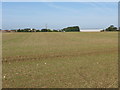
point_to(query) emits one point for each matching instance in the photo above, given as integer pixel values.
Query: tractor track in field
(57, 55)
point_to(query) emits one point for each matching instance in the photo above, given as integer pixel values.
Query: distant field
(60, 60)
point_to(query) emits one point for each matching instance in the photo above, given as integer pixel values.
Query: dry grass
(60, 60)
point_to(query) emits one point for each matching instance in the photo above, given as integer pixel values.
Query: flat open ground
(60, 60)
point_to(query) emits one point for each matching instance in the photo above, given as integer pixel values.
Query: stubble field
(60, 60)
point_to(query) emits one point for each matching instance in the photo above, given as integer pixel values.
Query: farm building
(90, 30)
(5, 30)
(8, 30)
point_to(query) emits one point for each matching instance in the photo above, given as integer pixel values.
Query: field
(60, 60)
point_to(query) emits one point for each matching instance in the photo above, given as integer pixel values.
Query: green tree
(71, 29)
(19, 30)
(46, 30)
(43, 30)
(111, 28)
(37, 30)
(26, 30)
(33, 30)
(49, 30)
(55, 30)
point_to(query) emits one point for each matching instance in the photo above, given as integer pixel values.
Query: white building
(90, 30)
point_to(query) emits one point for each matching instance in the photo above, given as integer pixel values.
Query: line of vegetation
(68, 29)
(111, 28)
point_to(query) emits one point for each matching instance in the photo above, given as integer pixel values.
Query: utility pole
(46, 26)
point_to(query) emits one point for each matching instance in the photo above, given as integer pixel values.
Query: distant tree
(49, 30)
(27, 30)
(111, 28)
(46, 30)
(55, 30)
(19, 30)
(71, 29)
(43, 30)
(37, 30)
(33, 30)
(22, 30)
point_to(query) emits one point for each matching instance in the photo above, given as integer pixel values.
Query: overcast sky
(58, 15)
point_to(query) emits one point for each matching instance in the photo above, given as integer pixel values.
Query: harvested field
(60, 60)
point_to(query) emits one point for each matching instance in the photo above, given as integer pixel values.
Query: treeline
(68, 29)
(111, 28)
